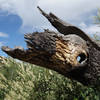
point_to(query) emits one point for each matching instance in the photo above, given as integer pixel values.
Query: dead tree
(70, 52)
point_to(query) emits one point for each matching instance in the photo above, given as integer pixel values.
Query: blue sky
(10, 29)
(21, 16)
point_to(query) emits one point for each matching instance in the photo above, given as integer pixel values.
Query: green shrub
(23, 81)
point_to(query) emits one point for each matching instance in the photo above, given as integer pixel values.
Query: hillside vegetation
(23, 81)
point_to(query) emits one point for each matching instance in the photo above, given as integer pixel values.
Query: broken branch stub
(52, 50)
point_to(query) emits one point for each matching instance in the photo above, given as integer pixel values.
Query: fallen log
(70, 51)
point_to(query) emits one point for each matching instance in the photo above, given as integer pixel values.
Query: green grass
(23, 81)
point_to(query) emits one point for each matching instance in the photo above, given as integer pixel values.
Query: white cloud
(66, 9)
(70, 8)
(91, 29)
(23, 8)
(3, 34)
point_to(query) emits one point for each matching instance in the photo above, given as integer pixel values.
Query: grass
(23, 81)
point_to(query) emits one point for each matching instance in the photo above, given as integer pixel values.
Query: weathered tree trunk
(71, 52)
